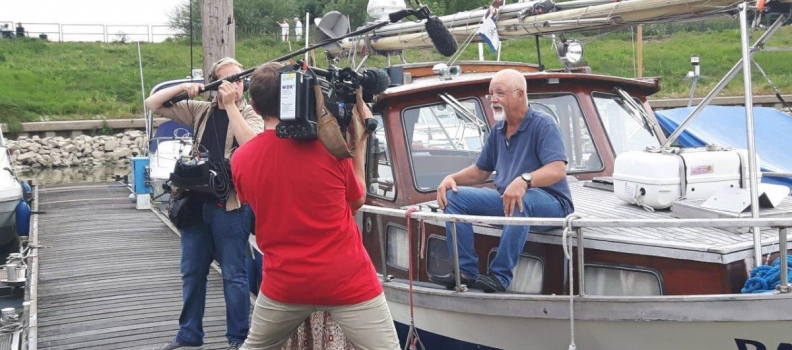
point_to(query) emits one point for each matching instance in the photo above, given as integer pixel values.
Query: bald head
(508, 95)
(510, 78)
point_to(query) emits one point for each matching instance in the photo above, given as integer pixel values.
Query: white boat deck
(701, 244)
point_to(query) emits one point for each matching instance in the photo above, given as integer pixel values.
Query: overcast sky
(87, 11)
(106, 12)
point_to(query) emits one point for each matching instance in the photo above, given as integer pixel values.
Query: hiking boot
(490, 283)
(234, 346)
(175, 344)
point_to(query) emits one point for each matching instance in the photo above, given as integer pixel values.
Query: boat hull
(459, 322)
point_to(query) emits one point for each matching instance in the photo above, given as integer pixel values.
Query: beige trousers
(367, 325)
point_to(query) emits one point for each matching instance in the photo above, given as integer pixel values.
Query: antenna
(143, 93)
(190, 3)
(331, 26)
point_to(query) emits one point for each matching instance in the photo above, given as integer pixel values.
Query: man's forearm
(549, 174)
(241, 130)
(160, 97)
(469, 176)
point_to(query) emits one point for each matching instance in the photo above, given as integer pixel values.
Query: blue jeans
(488, 202)
(224, 235)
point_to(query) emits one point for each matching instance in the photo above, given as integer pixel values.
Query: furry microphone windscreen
(443, 40)
(375, 81)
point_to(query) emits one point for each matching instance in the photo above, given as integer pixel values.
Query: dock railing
(578, 224)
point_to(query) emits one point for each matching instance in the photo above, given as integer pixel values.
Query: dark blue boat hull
(433, 341)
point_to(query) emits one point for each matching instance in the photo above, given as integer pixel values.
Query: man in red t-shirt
(303, 199)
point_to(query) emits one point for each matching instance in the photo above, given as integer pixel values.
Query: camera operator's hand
(193, 89)
(228, 94)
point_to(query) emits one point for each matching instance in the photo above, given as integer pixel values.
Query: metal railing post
(782, 255)
(581, 262)
(457, 273)
(749, 128)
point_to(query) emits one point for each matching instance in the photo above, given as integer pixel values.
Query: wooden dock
(107, 275)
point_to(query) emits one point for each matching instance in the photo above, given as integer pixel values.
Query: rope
(766, 278)
(412, 335)
(568, 253)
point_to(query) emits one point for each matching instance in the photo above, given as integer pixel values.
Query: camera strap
(339, 144)
(197, 139)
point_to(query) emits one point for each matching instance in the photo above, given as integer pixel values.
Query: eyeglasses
(498, 94)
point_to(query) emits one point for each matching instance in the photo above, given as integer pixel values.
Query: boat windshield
(626, 128)
(443, 141)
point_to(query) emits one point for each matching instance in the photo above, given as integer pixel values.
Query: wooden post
(218, 32)
(640, 50)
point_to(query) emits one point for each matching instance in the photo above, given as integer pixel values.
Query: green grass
(65, 81)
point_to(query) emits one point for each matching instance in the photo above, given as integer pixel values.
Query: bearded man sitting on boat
(527, 154)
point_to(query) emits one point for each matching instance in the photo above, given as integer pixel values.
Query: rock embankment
(80, 151)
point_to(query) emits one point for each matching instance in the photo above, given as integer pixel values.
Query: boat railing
(574, 225)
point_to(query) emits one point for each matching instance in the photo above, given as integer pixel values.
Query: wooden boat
(634, 279)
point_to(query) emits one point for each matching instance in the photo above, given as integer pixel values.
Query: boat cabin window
(621, 281)
(626, 129)
(442, 140)
(581, 151)
(379, 169)
(438, 261)
(396, 251)
(527, 275)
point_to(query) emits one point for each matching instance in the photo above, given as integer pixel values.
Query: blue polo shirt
(536, 142)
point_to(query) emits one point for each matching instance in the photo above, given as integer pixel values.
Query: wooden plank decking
(108, 274)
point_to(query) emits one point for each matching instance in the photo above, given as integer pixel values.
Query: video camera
(299, 118)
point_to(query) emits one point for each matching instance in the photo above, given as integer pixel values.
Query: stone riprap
(82, 150)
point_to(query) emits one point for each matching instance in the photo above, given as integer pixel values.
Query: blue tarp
(726, 126)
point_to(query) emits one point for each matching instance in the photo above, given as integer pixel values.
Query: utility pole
(218, 32)
(640, 50)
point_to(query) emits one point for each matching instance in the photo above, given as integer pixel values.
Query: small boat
(170, 142)
(12, 203)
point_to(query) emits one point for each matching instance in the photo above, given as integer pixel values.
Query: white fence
(96, 32)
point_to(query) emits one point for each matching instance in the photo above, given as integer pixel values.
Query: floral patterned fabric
(318, 332)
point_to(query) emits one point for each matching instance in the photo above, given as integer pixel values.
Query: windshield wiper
(440, 124)
(638, 112)
(466, 114)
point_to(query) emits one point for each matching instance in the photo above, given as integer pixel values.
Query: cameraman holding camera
(216, 225)
(303, 198)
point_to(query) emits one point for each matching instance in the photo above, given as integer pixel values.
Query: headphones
(213, 75)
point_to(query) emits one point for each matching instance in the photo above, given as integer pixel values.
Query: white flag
(489, 33)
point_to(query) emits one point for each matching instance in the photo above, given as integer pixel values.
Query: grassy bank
(64, 81)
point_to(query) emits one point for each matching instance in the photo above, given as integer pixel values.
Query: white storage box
(658, 179)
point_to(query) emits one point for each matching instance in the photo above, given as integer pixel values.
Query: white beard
(499, 116)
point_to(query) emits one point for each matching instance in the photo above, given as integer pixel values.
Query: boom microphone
(374, 81)
(442, 39)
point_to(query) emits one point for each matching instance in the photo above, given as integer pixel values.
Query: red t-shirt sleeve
(353, 188)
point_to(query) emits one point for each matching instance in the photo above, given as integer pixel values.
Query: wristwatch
(370, 125)
(527, 178)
